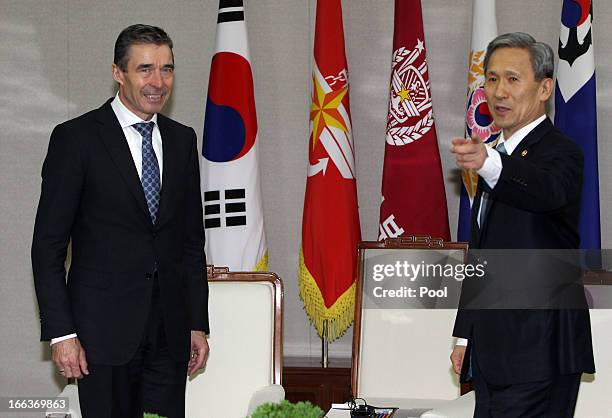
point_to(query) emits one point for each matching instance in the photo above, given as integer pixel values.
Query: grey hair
(541, 54)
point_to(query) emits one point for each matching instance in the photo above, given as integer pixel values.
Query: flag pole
(324, 347)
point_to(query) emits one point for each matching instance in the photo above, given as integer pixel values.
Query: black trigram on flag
(230, 11)
(226, 212)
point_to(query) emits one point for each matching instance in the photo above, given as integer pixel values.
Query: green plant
(286, 409)
(147, 415)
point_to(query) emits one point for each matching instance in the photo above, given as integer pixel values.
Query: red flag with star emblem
(414, 200)
(330, 223)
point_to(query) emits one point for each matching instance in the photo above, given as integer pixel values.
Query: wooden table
(305, 380)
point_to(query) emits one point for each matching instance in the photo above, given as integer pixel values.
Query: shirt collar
(125, 116)
(515, 139)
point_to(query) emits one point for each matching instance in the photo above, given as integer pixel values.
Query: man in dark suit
(523, 362)
(122, 183)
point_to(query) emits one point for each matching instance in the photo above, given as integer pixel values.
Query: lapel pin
(524, 153)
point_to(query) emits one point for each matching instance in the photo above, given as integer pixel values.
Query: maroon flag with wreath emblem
(414, 200)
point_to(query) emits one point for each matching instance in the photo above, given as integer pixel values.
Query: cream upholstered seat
(401, 356)
(245, 346)
(71, 394)
(245, 364)
(594, 396)
(404, 353)
(462, 407)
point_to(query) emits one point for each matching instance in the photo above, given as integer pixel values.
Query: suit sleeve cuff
(65, 337)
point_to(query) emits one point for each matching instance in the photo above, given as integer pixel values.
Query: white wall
(55, 64)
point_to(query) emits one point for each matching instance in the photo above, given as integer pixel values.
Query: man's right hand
(456, 358)
(470, 153)
(69, 357)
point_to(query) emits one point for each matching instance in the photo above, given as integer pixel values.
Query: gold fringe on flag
(339, 316)
(262, 264)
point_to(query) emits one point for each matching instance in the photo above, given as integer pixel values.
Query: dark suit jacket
(534, 205)
(91, 194)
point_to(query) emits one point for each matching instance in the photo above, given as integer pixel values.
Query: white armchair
(402, 359)
(594, 396)
(245, 363)
(71, 394)
(401, 356)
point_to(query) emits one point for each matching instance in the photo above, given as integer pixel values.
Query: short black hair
(138, 34)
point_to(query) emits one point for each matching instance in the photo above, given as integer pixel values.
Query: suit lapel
(112, 135)
(476, 230)
(169, 175)
(532, 138)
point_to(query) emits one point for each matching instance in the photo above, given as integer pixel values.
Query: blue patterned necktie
(151, 183)
(501, 148)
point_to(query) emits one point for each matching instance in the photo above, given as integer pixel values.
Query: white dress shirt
(134, 139)
(492, 167)
(126, 119)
